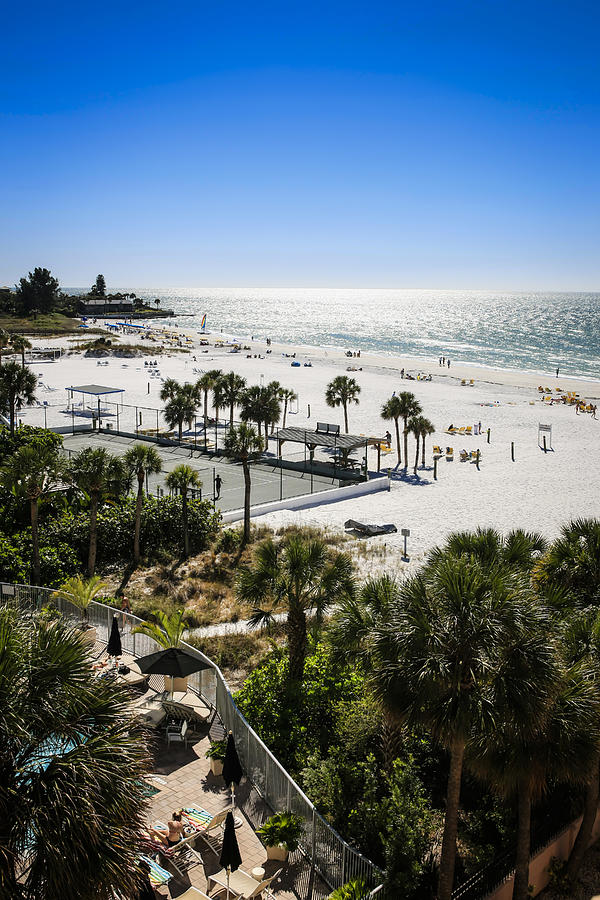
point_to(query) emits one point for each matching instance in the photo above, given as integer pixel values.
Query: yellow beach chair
(449, 453)
(469, 430)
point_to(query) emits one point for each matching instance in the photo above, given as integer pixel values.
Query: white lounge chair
(177, 734)
(241, 885)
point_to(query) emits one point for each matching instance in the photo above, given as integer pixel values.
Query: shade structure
(113, 648)
(174, 662)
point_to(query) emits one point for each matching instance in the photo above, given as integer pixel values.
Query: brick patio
(189, 782)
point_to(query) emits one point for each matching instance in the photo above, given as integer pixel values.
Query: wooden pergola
(329, 440)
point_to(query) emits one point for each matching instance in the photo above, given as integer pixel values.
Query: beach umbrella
(113, 648)
(230, 857)
(173, 661)
(232, 767)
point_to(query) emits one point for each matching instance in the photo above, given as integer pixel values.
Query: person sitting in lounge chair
(173, 833)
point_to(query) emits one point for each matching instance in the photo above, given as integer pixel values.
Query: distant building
(102, 306)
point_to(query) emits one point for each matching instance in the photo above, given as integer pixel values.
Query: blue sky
(451, 144)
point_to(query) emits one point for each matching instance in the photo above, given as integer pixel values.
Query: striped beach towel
(157, 875)
(198, 818)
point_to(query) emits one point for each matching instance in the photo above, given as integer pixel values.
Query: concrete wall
(538, 865)
(309, 500)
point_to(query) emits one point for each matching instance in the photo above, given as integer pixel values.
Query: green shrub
(57, 562)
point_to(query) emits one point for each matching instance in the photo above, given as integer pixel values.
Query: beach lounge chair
(241, 884)
(461, 430)
(204, 823)
(437, 451)
(449, 453)
(463, 381)
(193, 893)
(469, 430)
(157, 875)
(369, 530)
(464, 455)
(182, 855)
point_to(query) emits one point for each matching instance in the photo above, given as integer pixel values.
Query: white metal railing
(332, 858)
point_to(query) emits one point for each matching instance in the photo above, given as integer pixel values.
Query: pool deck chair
(205, 824)
(241, 884)
(157, 875)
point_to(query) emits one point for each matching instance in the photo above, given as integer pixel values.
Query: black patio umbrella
(230, 857)
(174, 662)
(113, 648)
(232, 767)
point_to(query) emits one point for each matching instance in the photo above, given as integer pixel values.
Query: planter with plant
(216, 754)
(281, 834)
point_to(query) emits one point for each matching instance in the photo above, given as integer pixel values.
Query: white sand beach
(537, 491)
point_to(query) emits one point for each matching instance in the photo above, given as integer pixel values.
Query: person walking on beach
(557, 371)
(218, 483)
(448, 363)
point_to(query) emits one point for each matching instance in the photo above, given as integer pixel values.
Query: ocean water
(529, 331)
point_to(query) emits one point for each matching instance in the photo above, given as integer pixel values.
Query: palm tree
(427, 428)
(218, 396)
(350, 632)
(437, 653)
(302, 574)
(142, 461)
(4, 342)
(167, 631)
(100, 476)
(244, 443)
(17, 389)
(408, 406)
(20, 344)
(340, 392)
(414, 427)
(81, 592)
(548, 729)
(181, 479)
(34, 472)
(170, 388)
(205, 384)
(70, 752)
(232, 387)
(580, 644)
(393, 409)
(181, 408)
(253, 401)
(287, 395)
(271, 412)
(573, 562)
(519, 550)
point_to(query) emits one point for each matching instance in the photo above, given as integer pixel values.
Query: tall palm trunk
(346, 417)
(247, 486)
(297, 640)
(22, 357)
(285, 405)
(397, 438)
(422, 451)
(231, 414)
(180, 429)
(35, 540)
(417, 453)
(448, 856)
(184, 516)
(12, 412)
(521, 883)
(93, 533)
(406, 444)
(392, 740)
(138, 516)
(590, 811)
(205, 409)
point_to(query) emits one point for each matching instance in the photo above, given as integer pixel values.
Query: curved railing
(335, 861)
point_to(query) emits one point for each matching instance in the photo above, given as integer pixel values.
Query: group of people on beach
(444, 361)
